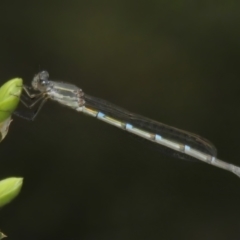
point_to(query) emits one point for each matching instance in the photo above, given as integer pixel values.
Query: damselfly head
(40, 81)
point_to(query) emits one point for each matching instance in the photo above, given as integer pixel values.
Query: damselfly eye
(42, 82)
(44, 75)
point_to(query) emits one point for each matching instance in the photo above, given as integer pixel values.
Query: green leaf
(2, 235)
(10, 93)
(9, 189)
(4, 128)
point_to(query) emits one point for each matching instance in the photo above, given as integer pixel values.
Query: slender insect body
(172, 141)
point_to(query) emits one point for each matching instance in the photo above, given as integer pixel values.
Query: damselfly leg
(34, 99)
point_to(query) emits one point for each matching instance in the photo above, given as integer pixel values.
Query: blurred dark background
(173, 61)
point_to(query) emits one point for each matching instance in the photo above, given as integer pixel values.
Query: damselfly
(170, 140)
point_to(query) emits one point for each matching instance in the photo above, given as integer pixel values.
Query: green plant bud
(10, 93)
(9, 189)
